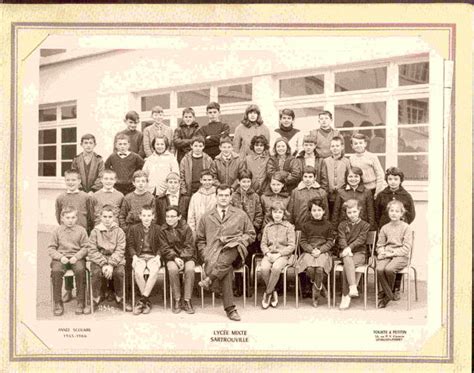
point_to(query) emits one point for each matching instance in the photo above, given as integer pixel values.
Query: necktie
(223, 214)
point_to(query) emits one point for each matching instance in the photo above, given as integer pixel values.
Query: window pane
(235, 93)
(414, 73)
(376, 140)
(360, 115)
(65, 166)
(233, 120)
(347, 134)
(414, 167)
(68, 151)
(68, 134)
(361, 79)
(68, 112)
(47, 115)
(47, 169)
(47, 137)
(308, 85)
(47, 153)
(413, 111)
(413, 139)
(196, 97)
(306, 119)
(202, 121)
(162, 100)
(147, 123)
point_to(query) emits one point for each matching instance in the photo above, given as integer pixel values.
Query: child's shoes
(274, 299)
(345, 302)
(58, 309)
(353, 292)
(266, 300)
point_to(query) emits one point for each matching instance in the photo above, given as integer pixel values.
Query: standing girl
(251, 125)
(256, 162)
(282, 160)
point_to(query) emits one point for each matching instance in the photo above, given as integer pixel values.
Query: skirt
(307, 260)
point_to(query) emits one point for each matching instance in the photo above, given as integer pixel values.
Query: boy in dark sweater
(124, 163)
(183, 135)
(171, 197)
(68, 249)
(213, 131)
(135, 137)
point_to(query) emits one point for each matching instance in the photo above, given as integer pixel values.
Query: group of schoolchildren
(140, 209)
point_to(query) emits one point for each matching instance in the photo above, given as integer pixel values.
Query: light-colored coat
(107, 246)
(278, 238)
(201, 202)
(243, 136)
(157, 168)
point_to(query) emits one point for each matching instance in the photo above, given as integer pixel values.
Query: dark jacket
(267, 200)
(353, 235)
(186, 171)
(182, 138)
(177, 242)
(136, 237)
(366, 202)
(292, 168)
(92, 181)
(162, 202)
(249, 202)
(317, 233)
(257, 165)
(298, 205)
(215, 131)
(321, 169)
(227, 172)
(385, 196)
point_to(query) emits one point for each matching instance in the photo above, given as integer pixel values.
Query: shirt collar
(101, 227)
(108, 191)
(72, 192)
(123, 154)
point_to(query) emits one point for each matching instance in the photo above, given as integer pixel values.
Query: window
(148, 102)
(57, 139)
(192, 98)
(361, 79)
(234, 93)
(414, 73)
(308, 85)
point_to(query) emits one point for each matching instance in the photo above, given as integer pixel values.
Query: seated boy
(107, 255)
(136, 137)
(179, 254)
(108, 195)
(172, 196)
(67, 249)
(191, 166)
(213, 131)
(227, 165)
(203, 200)
(89, 165)
(143, 248)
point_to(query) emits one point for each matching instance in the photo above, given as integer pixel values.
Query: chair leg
(255, 275)
(297, 287)
(202, 293)
(124, 296)
(376, 285)
(416, 286)
(329, 289)
(164, 291)
(51, 291)
(334, 287)
(213, 300)
(133, 288)
(244, 274)
(365, 289)
(284, 287)
(409, 292)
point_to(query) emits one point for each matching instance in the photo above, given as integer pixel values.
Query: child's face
(69, 219)
(122, 146)
(253, 116)
(395, 213)
(207, 181)
(173, 185)
(277, 215)
(309, 147)
(158, 116)
(353, 214)
(317, 212)
(276, 186)
(213, 115)
(281, 148)
(131, 125)
(72, 182)
(245, 184)
(188, 118)
(197, 148)
(336, 148)
(325, 122)
(107, 218)
(160, 146)
(286, 120)
(259, 148)
(226, 149)
(359, 145)
(140, 184)
(172, 218)
(88, 145)
(146, 217)
(393, 181)
(108, 181)
(308, 179)
(353, 179)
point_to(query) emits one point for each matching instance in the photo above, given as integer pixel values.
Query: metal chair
(244, 270)
(363, 269)
(406, 274)
(70, 273)
(89, 276)
(197, 269)
(162, 272)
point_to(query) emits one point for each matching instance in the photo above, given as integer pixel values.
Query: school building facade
(392, 89)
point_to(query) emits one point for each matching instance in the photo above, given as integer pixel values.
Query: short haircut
(341, 140)
(225, 140)
(249, 109)
(147, 208)
(121, 136)
(165, 140)
(309, 139)
(396, 202)
(224, 187)
(259, 139)
(157, 109)
(72, 172)
(245, 174)
(206, 172)
(133, 116)
(108, 171)
(288, 147)
(172, 176)
(394, 171)
(316, 201)
(359, 136)
(68, 209)
(108, 208)
(88, 136)
(139, 173)
(351, 203)
(173, 208)
(325, 112)
(213, 105)
(199, 139)
(354, 170)
(189, 110)
(309, 170)
(277, 205)
(280, 177)
(288, 112)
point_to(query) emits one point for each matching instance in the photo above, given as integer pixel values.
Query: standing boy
(89, 165)
(184, 134)
(135, 136)
(214, 130)
(324, 134)
(171, 197)
(227, 165)
(202, 201)
(108, 195)
(158, 128)
(310, 157)
(286, 130)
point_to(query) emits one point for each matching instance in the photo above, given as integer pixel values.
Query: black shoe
(79, 309)
(188, 306)
(383, 302)
(396, 294)
(138, 308)
(58, 309)
(67, 297)
(146, 306)
(233, 315)
(128, 307)
(237, 293)
(176, 308)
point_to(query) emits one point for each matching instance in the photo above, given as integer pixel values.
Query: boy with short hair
(107, 255)
(68, 249)
(143, 248)
(372, 172)
(214, 130)
(158, 128)
(108, 195)
(124, 163)
(306, 190)
(171, 196)
(324, 134)
(191, 166)
(286, 130)
(184, 134)
(310, 157)
(203, 200)
(227, 165)
(89, 165)
(135, 136)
